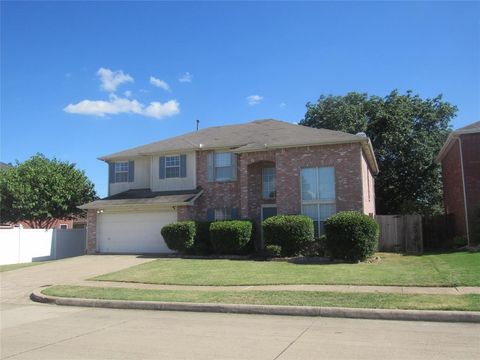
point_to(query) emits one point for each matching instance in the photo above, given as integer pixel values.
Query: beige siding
(368, 187)
(141, 178)
(186, 183)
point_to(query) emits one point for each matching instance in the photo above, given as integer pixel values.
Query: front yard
(448, 269)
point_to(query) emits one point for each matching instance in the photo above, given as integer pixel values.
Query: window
(222, 214)
(268, 183)
(224, 167)
(318, 195)
(121, 171)
(172, 166)
(63, 226)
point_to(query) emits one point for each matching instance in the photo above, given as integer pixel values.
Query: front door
(267, 211)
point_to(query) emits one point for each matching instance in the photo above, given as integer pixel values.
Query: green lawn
(448, 269)
(298, 298)
(18, 266)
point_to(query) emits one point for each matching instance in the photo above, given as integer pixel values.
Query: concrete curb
(376, 314)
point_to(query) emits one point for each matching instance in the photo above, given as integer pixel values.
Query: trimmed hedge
(202, 245)
(229, 237)
(351, 236)
(273, 250)
(291, 232)
(179, 236)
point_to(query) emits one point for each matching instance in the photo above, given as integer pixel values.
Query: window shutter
(211, 214)
(161, 167)
(211, 168)
(183, 166)
(234, 166)
(111, 173)
(234, 213)
(131, 171)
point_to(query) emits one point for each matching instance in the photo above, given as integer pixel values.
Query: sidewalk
(331, 288)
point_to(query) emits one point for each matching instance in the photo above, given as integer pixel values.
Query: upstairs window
(268, 183)
(121, 171)
(318, 195)
(172, 166)
(222, 166)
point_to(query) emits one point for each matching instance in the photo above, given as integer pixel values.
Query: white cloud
(112, 79)
(282, 105)
(186, 77)
(127, 93)
(159, 83)
(254, 99)
(116, 105)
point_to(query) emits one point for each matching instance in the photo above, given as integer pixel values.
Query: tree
(407, 133)
(40, 190)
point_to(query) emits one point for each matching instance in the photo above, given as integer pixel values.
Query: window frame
(118, 171)
(65, 226)
(215, 167)
(273, 180)
(318, 202)
(172, 166)
(226, 214)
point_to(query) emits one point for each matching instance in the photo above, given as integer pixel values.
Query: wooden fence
(414, 233)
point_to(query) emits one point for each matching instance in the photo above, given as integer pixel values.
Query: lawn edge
(339, 312)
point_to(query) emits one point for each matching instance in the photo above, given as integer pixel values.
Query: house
(460, 159)
(252, 170)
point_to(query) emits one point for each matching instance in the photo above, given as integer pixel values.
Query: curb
(374, 314)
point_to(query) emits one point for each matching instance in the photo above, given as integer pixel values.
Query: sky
(84, 79)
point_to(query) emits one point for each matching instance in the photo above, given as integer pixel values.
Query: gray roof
(469, 129)
(146, 197)
(252, 136)
(474, 126)
(4, 165)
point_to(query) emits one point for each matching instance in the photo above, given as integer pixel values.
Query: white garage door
(133, 232)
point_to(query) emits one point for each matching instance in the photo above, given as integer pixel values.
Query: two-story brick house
(253, 170)
(460, 159)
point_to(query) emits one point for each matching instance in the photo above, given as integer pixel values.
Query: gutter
(464, 190)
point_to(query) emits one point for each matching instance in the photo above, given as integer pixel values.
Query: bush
(273, 250)
(316, 248)
(475, 237)
(179, 236)
(202, 245)
(351, 236)
(291, 232)
(229, 237)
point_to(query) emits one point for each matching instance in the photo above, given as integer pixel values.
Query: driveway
(17, 285)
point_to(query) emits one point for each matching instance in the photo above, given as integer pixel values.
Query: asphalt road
(37, 331)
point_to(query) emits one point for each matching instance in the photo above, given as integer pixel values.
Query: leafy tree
(407, 133)
(40, 190)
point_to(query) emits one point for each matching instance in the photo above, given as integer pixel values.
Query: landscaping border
(355, 313)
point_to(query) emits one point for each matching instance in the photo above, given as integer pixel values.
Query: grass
(18, 266)
(448, 269)
(298, 298)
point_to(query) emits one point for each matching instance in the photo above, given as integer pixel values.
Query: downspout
(464, 189)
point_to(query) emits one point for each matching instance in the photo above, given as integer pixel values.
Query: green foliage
(273, 250)
(407, 133)
(179, 236)
(202, 245)
(229, 237)
(351, 236)
(40, 190)
(316, 248)
(291, 232)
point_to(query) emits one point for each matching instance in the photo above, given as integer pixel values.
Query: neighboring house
(57, 224)
(460, 159)
(4, 165)
(253, 170)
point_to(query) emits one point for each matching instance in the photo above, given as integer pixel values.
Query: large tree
(40, 190)
(407, 133)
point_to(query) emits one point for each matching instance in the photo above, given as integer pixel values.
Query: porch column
(243, 182)
(91, 231)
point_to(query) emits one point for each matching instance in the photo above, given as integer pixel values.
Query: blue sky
(238, 62)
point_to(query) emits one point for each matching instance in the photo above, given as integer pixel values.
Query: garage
(133, 231)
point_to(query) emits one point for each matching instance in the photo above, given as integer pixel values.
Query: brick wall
(453, 188)
(91, 231)
(471, 168)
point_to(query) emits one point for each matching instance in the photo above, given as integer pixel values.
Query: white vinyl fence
(19, 245)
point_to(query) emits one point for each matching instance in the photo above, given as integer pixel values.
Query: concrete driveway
(17, 285)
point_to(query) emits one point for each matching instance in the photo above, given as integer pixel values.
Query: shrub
(475, 237)
(291, 232)
(179, 236)
(351, 236)
(316, 248)
(202, 245)
(229, 237)
(273, 250)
